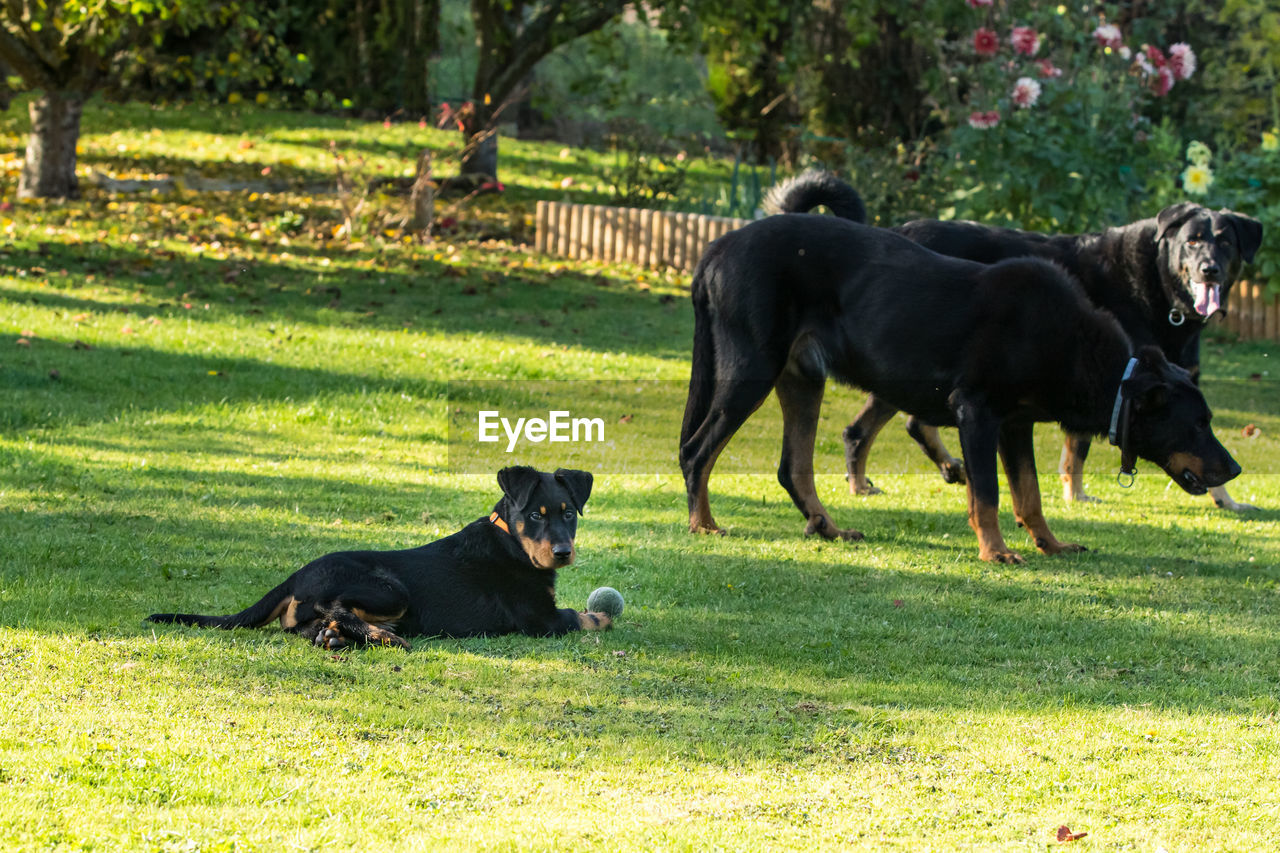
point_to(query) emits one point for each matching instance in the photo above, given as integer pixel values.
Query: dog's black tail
(806, 191)
(702, 376)
(267, 610)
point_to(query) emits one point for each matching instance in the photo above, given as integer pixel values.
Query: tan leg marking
(1027, 508)
(800, 409)
(985, 521)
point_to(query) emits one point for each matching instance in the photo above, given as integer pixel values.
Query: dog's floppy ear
(1248, 233)
(577, 484)
(517, 483)
(1173, 216)
(1147, 387)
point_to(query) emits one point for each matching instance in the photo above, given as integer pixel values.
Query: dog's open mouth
(1206, 296)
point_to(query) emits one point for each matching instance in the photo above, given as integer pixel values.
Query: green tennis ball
(606, 599)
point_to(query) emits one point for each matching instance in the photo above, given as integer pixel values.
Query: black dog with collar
(495, 576)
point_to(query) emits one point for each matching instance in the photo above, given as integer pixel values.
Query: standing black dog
(497, 575)
(785, 301)
(1162, 278)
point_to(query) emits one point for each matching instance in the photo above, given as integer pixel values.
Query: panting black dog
(1162, 278)
(495, 576)
(785, 301)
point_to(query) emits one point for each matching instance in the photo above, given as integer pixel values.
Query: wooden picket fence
(655, 239)
(1252, 313)
(647, 238)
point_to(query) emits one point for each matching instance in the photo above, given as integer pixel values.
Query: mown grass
(197, 411)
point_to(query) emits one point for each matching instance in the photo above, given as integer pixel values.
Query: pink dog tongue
(1208, 297)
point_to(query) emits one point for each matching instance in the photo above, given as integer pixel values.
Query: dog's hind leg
(1017, 452)
(337, 628)
(1075, 449)
(801, 399)
(726, 404)
(979, 439)
(858, 437)
(343, 609)
(926, 435)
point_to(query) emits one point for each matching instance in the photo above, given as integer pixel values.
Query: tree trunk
(49, 168)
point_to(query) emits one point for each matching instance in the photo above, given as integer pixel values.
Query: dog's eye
(535, 516)
(568, 515)
(1193, 243)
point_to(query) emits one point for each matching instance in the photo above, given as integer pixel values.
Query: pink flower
(1161, 81)
(1182, 60)
(1048, 69)
(984, 121)
(985, 42)
(978, 4)
(1026, 92)
(1154, 55)
(1025, 40)
(1108, 35)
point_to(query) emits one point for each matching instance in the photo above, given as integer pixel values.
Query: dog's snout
(562, 551)
(1234, 469)
(1209, 269)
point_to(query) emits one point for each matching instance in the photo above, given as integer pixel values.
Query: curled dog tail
(806, 191)
(267, 610)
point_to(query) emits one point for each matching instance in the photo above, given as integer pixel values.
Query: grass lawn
(202, 393)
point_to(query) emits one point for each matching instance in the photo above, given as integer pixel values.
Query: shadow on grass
(596, 311)
(712, 622)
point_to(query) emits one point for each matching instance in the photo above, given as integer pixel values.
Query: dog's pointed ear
(1173, 216)
(1248, 233)
(577, 484)
(517, 483)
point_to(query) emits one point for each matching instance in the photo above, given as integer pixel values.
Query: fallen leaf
(23, 342)
(1065, 834)
(1251, 430)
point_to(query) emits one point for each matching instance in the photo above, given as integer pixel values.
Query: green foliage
(627, 75)
(740, 195)
(644, 174)
(1243, 71)
(1247, 180)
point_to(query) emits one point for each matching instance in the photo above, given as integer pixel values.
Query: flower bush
(1057, 125)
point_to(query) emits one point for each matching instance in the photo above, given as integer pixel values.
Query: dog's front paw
(594, 621)
(1005, 556)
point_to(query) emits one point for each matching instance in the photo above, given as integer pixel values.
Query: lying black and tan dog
(495, 576)
(784, 302)
(1162, 278)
